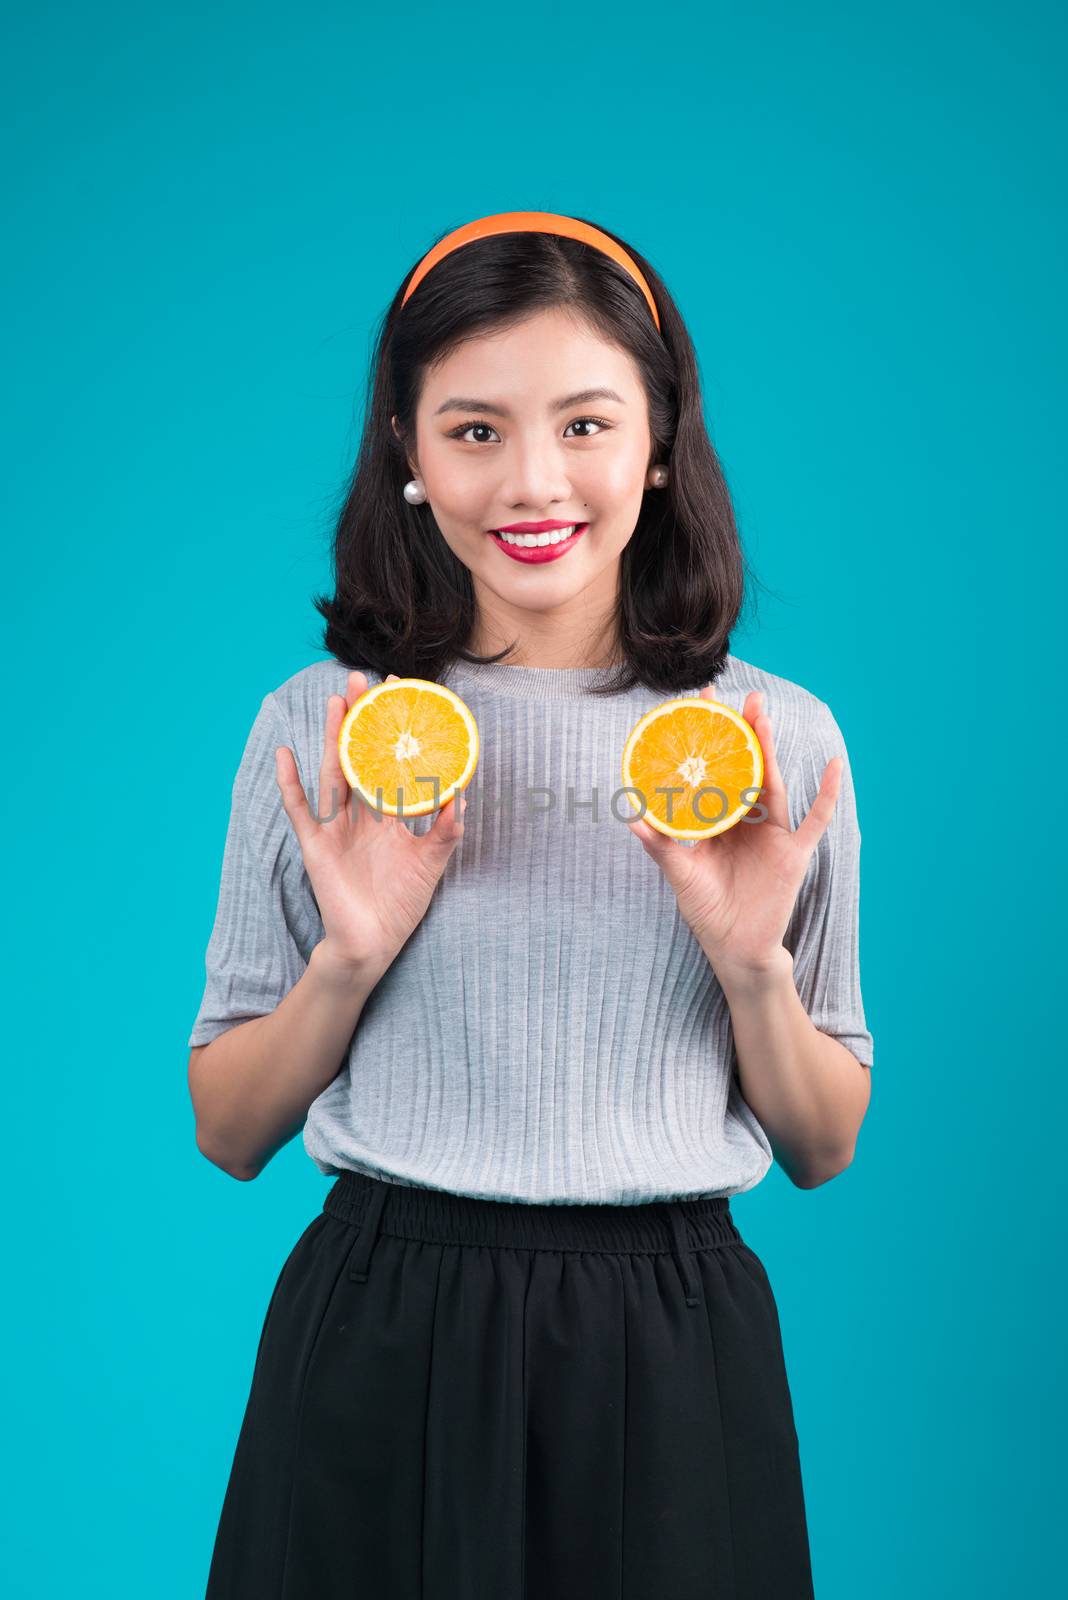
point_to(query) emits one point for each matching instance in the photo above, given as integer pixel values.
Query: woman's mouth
(539, 546)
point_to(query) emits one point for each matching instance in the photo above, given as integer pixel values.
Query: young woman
(524, 1351)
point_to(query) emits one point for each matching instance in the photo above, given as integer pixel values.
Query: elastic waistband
(438, 1216)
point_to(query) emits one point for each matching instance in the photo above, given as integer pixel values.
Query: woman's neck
(558, 655)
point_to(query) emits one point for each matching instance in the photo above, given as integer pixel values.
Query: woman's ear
(411, 466)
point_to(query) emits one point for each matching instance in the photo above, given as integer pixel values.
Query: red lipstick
(532, 553)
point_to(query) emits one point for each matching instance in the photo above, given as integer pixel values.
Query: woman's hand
(372, 878)
(737, 890)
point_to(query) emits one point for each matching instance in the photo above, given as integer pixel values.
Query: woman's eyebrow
(580, 398)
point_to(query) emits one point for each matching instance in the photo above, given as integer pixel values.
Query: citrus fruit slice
(703, 751)
(401, 735)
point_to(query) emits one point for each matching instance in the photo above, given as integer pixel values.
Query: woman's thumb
(448, 827)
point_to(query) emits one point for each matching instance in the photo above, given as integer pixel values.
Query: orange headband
(530, 222)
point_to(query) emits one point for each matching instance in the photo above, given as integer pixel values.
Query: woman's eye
(484, 427)
(582, 421)
(470, 427)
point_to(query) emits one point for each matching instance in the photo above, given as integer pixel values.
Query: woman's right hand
(372, 878)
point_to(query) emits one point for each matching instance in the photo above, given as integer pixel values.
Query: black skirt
(460, 1399)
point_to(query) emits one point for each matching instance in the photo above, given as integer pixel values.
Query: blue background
(860, 212)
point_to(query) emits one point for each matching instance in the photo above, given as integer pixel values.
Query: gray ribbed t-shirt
(551, 1032)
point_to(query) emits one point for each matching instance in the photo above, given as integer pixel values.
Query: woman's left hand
(737, 890)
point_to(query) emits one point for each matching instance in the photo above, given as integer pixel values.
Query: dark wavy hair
(404, 603)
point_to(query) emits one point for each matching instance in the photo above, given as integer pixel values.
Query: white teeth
(553, 537)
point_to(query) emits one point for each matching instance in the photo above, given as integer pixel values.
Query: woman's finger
(811, 829)
(773, 794)
(294, 800)
(334, 790)
(449, 822)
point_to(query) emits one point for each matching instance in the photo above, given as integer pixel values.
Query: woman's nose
(535, 477)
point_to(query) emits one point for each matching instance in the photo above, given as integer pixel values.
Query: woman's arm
(253, 1085)
(808, 1091)
(775, 908)
(370, 882)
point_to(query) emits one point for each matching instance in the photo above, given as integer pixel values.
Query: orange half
(706, 753)
(401, 735)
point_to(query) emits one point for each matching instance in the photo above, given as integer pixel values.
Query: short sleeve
(824, 931)
(266, 921)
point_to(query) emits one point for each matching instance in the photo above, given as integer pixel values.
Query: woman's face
(505, 434)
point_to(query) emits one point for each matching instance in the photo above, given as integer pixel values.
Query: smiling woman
(526, 386)
(524, 1348)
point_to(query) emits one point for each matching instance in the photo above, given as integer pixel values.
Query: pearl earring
(414, 492)
(658, 477)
